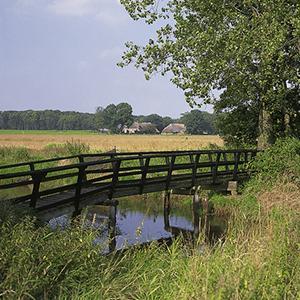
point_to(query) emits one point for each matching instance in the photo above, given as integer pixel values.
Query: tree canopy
(198, 122)
(246, 50)
(114, 117)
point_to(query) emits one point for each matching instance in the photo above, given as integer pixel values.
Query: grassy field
(37, 140)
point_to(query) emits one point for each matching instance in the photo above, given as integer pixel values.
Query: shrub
(282, 159)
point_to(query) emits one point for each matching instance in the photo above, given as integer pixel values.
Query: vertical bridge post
(80, 179)
(167, 207)
(144, 168)
(196, 213)
(116, 168)
(112, 223)
(37, 178)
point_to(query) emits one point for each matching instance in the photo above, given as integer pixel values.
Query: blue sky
(62, 54)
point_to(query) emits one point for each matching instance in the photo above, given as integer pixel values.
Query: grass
(37, 140)
(259, 258)
(48, 132)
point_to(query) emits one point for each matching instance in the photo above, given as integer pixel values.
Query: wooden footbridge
(54, 187)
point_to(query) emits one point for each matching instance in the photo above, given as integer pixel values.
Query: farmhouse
(174, 128)
(141, 128)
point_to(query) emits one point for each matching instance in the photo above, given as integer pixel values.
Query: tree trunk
(265, 137)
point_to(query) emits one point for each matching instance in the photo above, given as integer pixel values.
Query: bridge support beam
(196, 213)
(167, 205)
(112, 222)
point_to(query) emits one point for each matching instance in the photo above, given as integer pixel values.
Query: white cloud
(106, 11)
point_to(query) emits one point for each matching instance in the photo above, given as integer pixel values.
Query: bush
(13, 154)
(71, 148)
(282, 159)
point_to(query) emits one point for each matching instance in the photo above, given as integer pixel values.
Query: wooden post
(80, 179)
(167, 201)
(215, 168)
(211, 161)
(196, 214)
(31, 166)
(169, 177)
(144, 174)
(237, 156)
(112, 222)
(225, 160)
(167, 209)
(194, 171)
(37, 177)
(115, 179)
(81, 160)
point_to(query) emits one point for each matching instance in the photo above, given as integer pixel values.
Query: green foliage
(281, 160)
(198, 122)
(46, 120)
(239, 126)
(69, 148)
(13, 154)
(247, 50)
(114, 117)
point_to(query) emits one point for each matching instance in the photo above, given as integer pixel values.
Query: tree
(247, 50)
(238, 127)
(197, 122)
(124, 115)
(115, 117)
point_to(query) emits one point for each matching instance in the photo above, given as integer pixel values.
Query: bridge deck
(69, 186)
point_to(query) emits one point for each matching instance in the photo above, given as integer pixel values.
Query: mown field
(37, 140)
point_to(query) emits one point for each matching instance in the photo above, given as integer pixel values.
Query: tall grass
(259, 258)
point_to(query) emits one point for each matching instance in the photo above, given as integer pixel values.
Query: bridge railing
(71, 183)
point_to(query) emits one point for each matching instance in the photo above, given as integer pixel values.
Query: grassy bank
(259, 258)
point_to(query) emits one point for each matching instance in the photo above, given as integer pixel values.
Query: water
(141, 219)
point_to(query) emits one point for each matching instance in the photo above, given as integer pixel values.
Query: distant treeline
(113, 117)
(47, 120)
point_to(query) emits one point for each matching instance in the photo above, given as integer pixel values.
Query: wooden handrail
(119, 166)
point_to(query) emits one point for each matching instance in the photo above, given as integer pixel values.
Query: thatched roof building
(137, 127)
(174, 128)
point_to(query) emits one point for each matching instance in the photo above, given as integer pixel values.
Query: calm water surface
(142, 219)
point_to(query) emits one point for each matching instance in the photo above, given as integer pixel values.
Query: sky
(62, 54)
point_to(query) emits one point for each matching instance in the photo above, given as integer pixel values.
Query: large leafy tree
(114, 117)
(198, 122)
(248, 50)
